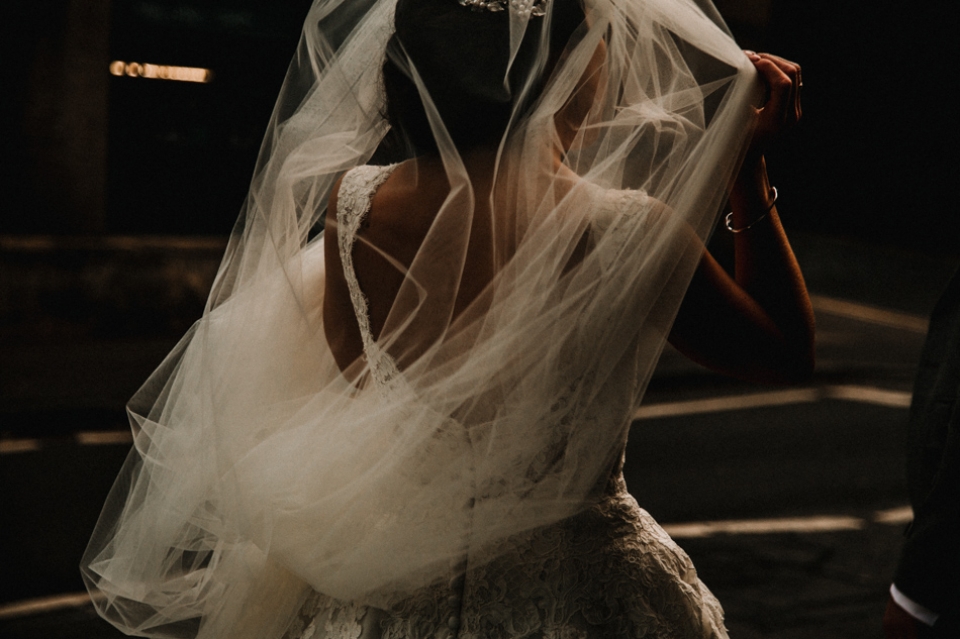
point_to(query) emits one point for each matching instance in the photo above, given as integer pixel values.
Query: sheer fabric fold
(261, 471)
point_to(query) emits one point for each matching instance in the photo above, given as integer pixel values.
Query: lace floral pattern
(610, 571)
(353, 204)
(321, 617)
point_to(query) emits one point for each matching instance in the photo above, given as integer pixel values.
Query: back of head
(462, 57)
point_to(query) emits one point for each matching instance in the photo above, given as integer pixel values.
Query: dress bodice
(609, 571)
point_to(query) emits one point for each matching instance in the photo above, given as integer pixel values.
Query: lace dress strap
(353, 204)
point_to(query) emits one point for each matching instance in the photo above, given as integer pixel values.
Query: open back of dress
(609, 571)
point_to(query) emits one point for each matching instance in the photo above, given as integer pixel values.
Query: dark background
(85, 152)
(875, 157)
(168, 157)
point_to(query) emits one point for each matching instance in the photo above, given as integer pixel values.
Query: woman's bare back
(402, 211)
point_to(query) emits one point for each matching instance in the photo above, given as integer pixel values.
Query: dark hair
(461, 55)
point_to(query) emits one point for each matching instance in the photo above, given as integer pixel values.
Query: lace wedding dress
(608, 572)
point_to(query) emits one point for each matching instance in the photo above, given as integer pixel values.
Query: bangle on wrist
(729, 218)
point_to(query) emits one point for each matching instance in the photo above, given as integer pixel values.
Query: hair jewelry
(524, 8)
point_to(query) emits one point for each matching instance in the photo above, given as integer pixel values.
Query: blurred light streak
(734, 402)
(870, 314)
(13, 446)
(104, 438)
(44, 243)
(814, 524)
(43, 605)
(824, 523)
(160, 72)
(86, 438)
(901, 515)
(869, 395)
(863, 394)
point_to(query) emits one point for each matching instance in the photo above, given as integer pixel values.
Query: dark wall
(182, 154)
(86, 152)
(53, 115)
(875, 157)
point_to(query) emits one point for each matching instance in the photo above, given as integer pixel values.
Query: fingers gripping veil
(565, 169)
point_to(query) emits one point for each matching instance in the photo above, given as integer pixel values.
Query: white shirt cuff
(914, 609)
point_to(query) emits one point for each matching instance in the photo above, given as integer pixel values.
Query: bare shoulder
(385, 245)
(403, 209)
(395, 223)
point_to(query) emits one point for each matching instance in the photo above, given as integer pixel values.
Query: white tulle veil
(260, 471)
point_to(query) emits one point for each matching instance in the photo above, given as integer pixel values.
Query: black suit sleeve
(929, 568)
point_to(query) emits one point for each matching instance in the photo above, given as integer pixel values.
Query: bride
(411, 423)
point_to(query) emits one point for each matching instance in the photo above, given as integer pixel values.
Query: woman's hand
(761, 324)
(782, 109)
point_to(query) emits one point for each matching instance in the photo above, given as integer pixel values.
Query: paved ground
(803, 456)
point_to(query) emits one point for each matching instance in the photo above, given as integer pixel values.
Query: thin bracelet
(729, 218)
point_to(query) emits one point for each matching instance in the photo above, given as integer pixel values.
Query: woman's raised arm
(757, 325)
